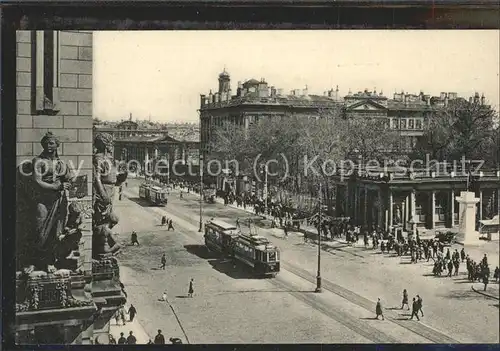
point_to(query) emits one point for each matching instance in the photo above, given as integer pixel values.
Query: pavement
(450, 304)
(135, 327)
(282, 309)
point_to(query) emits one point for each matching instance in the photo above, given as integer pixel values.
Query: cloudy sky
(162, 73)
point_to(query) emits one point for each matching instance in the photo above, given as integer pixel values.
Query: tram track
(353, 324)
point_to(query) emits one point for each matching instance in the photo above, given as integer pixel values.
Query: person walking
(496, 273)
(163, 262)
(132, 312)
(462, 254)
(405, 299)
(164, 296)
(133, 238)
(180, 195)
(414, 309)
(170, 225)
(456, 264)
(191, 288)
(117, 317)
(378, 310)
(112, 340)
(420, 305)
(131, 340)
(122, 315)
(159, 338)
(122, 340)
(450, 268)
(163, 220)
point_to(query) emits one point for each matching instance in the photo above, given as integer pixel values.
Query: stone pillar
(380, 209)
(346, 201)
(413, 205)
(365, 210)
(480, 204)
(391, 209)
(433, 209)
(452, 206)
(356, 203)
(467, 218)
(406, 212)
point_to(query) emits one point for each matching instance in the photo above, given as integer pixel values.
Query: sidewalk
(134, 327)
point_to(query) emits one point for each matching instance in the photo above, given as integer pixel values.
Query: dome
(224, 74)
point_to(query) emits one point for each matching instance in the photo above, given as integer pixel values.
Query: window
(418, 124)
(403, 123)
(394, 123)
(411, 123)
(46, 71)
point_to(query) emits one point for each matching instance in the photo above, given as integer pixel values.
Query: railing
(105, 269)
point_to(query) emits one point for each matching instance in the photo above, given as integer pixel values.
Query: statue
(44, 198)
(106, 176)
(397, 217)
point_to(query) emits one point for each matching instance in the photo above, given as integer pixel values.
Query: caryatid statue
(43, 208)
(106, 176)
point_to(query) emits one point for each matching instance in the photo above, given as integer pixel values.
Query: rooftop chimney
(482, 99)
(442, 96)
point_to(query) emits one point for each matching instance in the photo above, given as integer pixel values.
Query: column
(433, 208)
(365, 210)
(380, 209)
(183, 154)
(391, 209)
(356, 202)
(404, 216)
(346, 201)
(406, 212)
(413, 205)
(480, 204)
(452, 208)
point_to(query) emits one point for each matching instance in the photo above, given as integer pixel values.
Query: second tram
(220, 236)
(153, 194)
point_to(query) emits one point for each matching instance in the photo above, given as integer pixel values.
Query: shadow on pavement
(182, 297)
(369, 318)
(462, 294)
(141, 202)
(235, 271)
(402, 319)
(497, 305)
(201, 251)
(265, 291)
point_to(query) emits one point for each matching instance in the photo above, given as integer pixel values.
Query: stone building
(424, 198)
(54, 98)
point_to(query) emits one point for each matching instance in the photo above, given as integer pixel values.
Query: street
(230, 306)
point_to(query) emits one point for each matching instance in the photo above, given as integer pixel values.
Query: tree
(462, 129)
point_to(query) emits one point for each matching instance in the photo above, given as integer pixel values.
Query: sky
(162, 73)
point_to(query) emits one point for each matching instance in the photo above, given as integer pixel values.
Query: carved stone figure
(397, 215)
(43, 205)
(106, 176)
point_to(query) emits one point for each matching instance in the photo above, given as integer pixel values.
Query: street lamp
(318, 276)
(265, 189)
(201, 194)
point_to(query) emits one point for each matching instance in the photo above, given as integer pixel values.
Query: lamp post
(318, 276)
(201, 194)
(265, 190)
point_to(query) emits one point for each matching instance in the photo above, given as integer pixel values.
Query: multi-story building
(406, 113)
(54, 94)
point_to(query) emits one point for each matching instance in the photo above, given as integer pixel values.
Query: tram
(153, 194)
(220, 236)
(257, 253)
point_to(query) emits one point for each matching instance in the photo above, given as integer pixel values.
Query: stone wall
(73, 122)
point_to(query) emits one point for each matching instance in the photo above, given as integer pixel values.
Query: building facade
(406, 113)
(72, 305)
(423, 198)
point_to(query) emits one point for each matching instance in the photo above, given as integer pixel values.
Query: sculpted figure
(106, 177)
(45, 201)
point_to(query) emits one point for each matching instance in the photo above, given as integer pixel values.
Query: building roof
(252, 82)
(192, 137)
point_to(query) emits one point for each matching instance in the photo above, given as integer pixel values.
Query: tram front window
(272, 256)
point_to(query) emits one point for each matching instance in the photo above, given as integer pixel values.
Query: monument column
(467, 223)
(433, 209)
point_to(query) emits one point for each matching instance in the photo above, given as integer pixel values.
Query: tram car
(153, 194)
(258, 253)
(220, 236)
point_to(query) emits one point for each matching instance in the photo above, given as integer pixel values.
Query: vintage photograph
(257, 187)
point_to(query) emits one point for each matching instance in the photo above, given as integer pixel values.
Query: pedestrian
(133, 238)
(175, 341)
(405, 300)
(122, 339)
(285, 229)
(132, 312)
(378, 310)
(180, 195)
(456, 263)
(131, 340)
(420, 302)
(486, 277)
(191, 288)
(462, 254)
(450, 268)
(496, 274)
(112, 340)
(484, 262)
(117, 317)
(159, 338)
(170, 225)
(164, 296)
(238, 223)
(414, 309)
(122, 315)
(163, 220)
(163, 261)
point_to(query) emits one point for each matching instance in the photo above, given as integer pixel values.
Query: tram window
(264, 257)
(272, 256)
